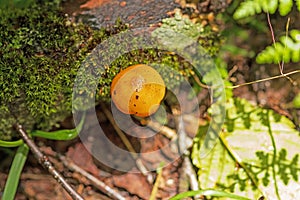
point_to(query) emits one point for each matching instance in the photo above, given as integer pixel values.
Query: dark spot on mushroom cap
(134, 105)
(115, 92)
(136, 96)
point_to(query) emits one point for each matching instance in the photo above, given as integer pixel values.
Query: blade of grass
(11, 143)
(68, 134)
(212, 193)
(15, 172)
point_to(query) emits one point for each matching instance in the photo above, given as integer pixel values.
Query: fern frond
(247, 8)
(287, 49)
(269, 6)
(253, 7)
(285, 6)
(298, 4)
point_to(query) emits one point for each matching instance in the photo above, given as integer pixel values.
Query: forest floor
(36, 183)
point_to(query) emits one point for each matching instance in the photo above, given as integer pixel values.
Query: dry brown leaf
(94, 3)
(80, 156)
(134, 183)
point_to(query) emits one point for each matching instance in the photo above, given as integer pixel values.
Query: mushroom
(138, 90)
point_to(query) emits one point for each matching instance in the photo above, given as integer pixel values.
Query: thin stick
(261, 80)
(127, 143)
(271, 29)
(265, 79)
(118, 130)
(285, 46)
(280, 64)
(96, 182)
(156, 184)
(45, 162)
(183, 144)
(164, 130)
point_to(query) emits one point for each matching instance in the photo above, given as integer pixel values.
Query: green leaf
(298, 4)
(247, 8)
(287, 49)
(296, 101)
(272, 6)
(252, 7)
(15, 172)
(269, 149)
(218, 170)
(285, 6)
(258, 154)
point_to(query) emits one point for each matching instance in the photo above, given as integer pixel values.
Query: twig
(183, 144)
(280, 64)
(118, 130)
(265, 79)
(127, 143)
(96, 182)
(45, 162)
(190, 172)
(164, 130)
(271, 29)
(156, 184)
(285, 75)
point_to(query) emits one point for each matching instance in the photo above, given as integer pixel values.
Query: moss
(41, 51)
(207, 38)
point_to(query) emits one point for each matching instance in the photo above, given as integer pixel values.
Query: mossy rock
(41, 52)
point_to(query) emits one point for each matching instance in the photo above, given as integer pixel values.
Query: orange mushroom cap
(138, 90)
